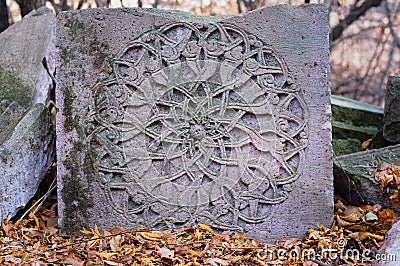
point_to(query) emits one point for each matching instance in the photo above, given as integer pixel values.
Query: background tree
(4, 23)
(27, 6)
(364, 36)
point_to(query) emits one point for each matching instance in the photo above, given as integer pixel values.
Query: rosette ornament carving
(198, 123)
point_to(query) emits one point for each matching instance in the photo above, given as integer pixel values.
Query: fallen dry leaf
(112, 263)
(33, 242)
(165, 253)
(365, 145)
(217, 262)
(370, 217)
(386, 215)
(115, 242)
(73, 262)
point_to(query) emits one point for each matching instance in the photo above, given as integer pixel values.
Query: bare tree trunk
(156, 2)
(250, 4)
(64, 5)
(80, 4)
(4, 23)
(27, 6)
(355, 13)
(102, 3)
(239, 7)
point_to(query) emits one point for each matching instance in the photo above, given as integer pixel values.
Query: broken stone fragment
(10, 115)
(27, 139)
(25, 157)
(24, 47)
(354, 180)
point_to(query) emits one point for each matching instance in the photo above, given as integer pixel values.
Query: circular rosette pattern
(198, 122)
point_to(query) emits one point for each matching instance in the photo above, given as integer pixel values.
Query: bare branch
(80, 3)
(350, 36)
(102, 3)
(27, 6)
(156, 2)
(355, 13)
(396, 41)
(240, 10)
(373, 63)
(4, 23)
(64, 5)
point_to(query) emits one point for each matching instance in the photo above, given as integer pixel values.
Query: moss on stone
(101, 52)
(76, 188)
(343, 130)
(346, 146)
(75, 26)
(378, 141)
(66, 55)
(13, 88)
(356, 117)
(76, 201)
(69, 98)
(354, 120)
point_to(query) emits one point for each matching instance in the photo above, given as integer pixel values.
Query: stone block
(391, 128)
(354, 119)
(24, 46)
(25, 157)
(27, 139)
(10, 114)
(167, 120)
(354, 176)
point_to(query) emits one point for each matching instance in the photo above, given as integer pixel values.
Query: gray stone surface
(167, 119)
(10, 115)
(390, 250)
(27, 139)
(354, 180)
(391, 129)
(352, 123)
(24, 159)
(23, 78)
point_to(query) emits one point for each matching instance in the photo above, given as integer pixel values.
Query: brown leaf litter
(35, 241)
(353, 239)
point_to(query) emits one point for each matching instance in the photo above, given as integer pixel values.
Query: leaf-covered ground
(353, 239)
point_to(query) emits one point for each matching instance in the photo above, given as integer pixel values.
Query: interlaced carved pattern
(198, 123)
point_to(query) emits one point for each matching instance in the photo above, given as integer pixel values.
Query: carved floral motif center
(198, 122)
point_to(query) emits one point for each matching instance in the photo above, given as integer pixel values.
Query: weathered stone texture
(25, 157)
(391, 129)
(27, 139)
(168, 120)
(354, 180)
(352, 123)
(10, 114)
(390, 250)
(23, 46)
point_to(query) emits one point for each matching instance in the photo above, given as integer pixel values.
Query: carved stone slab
(168, 119)
(391, 126)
